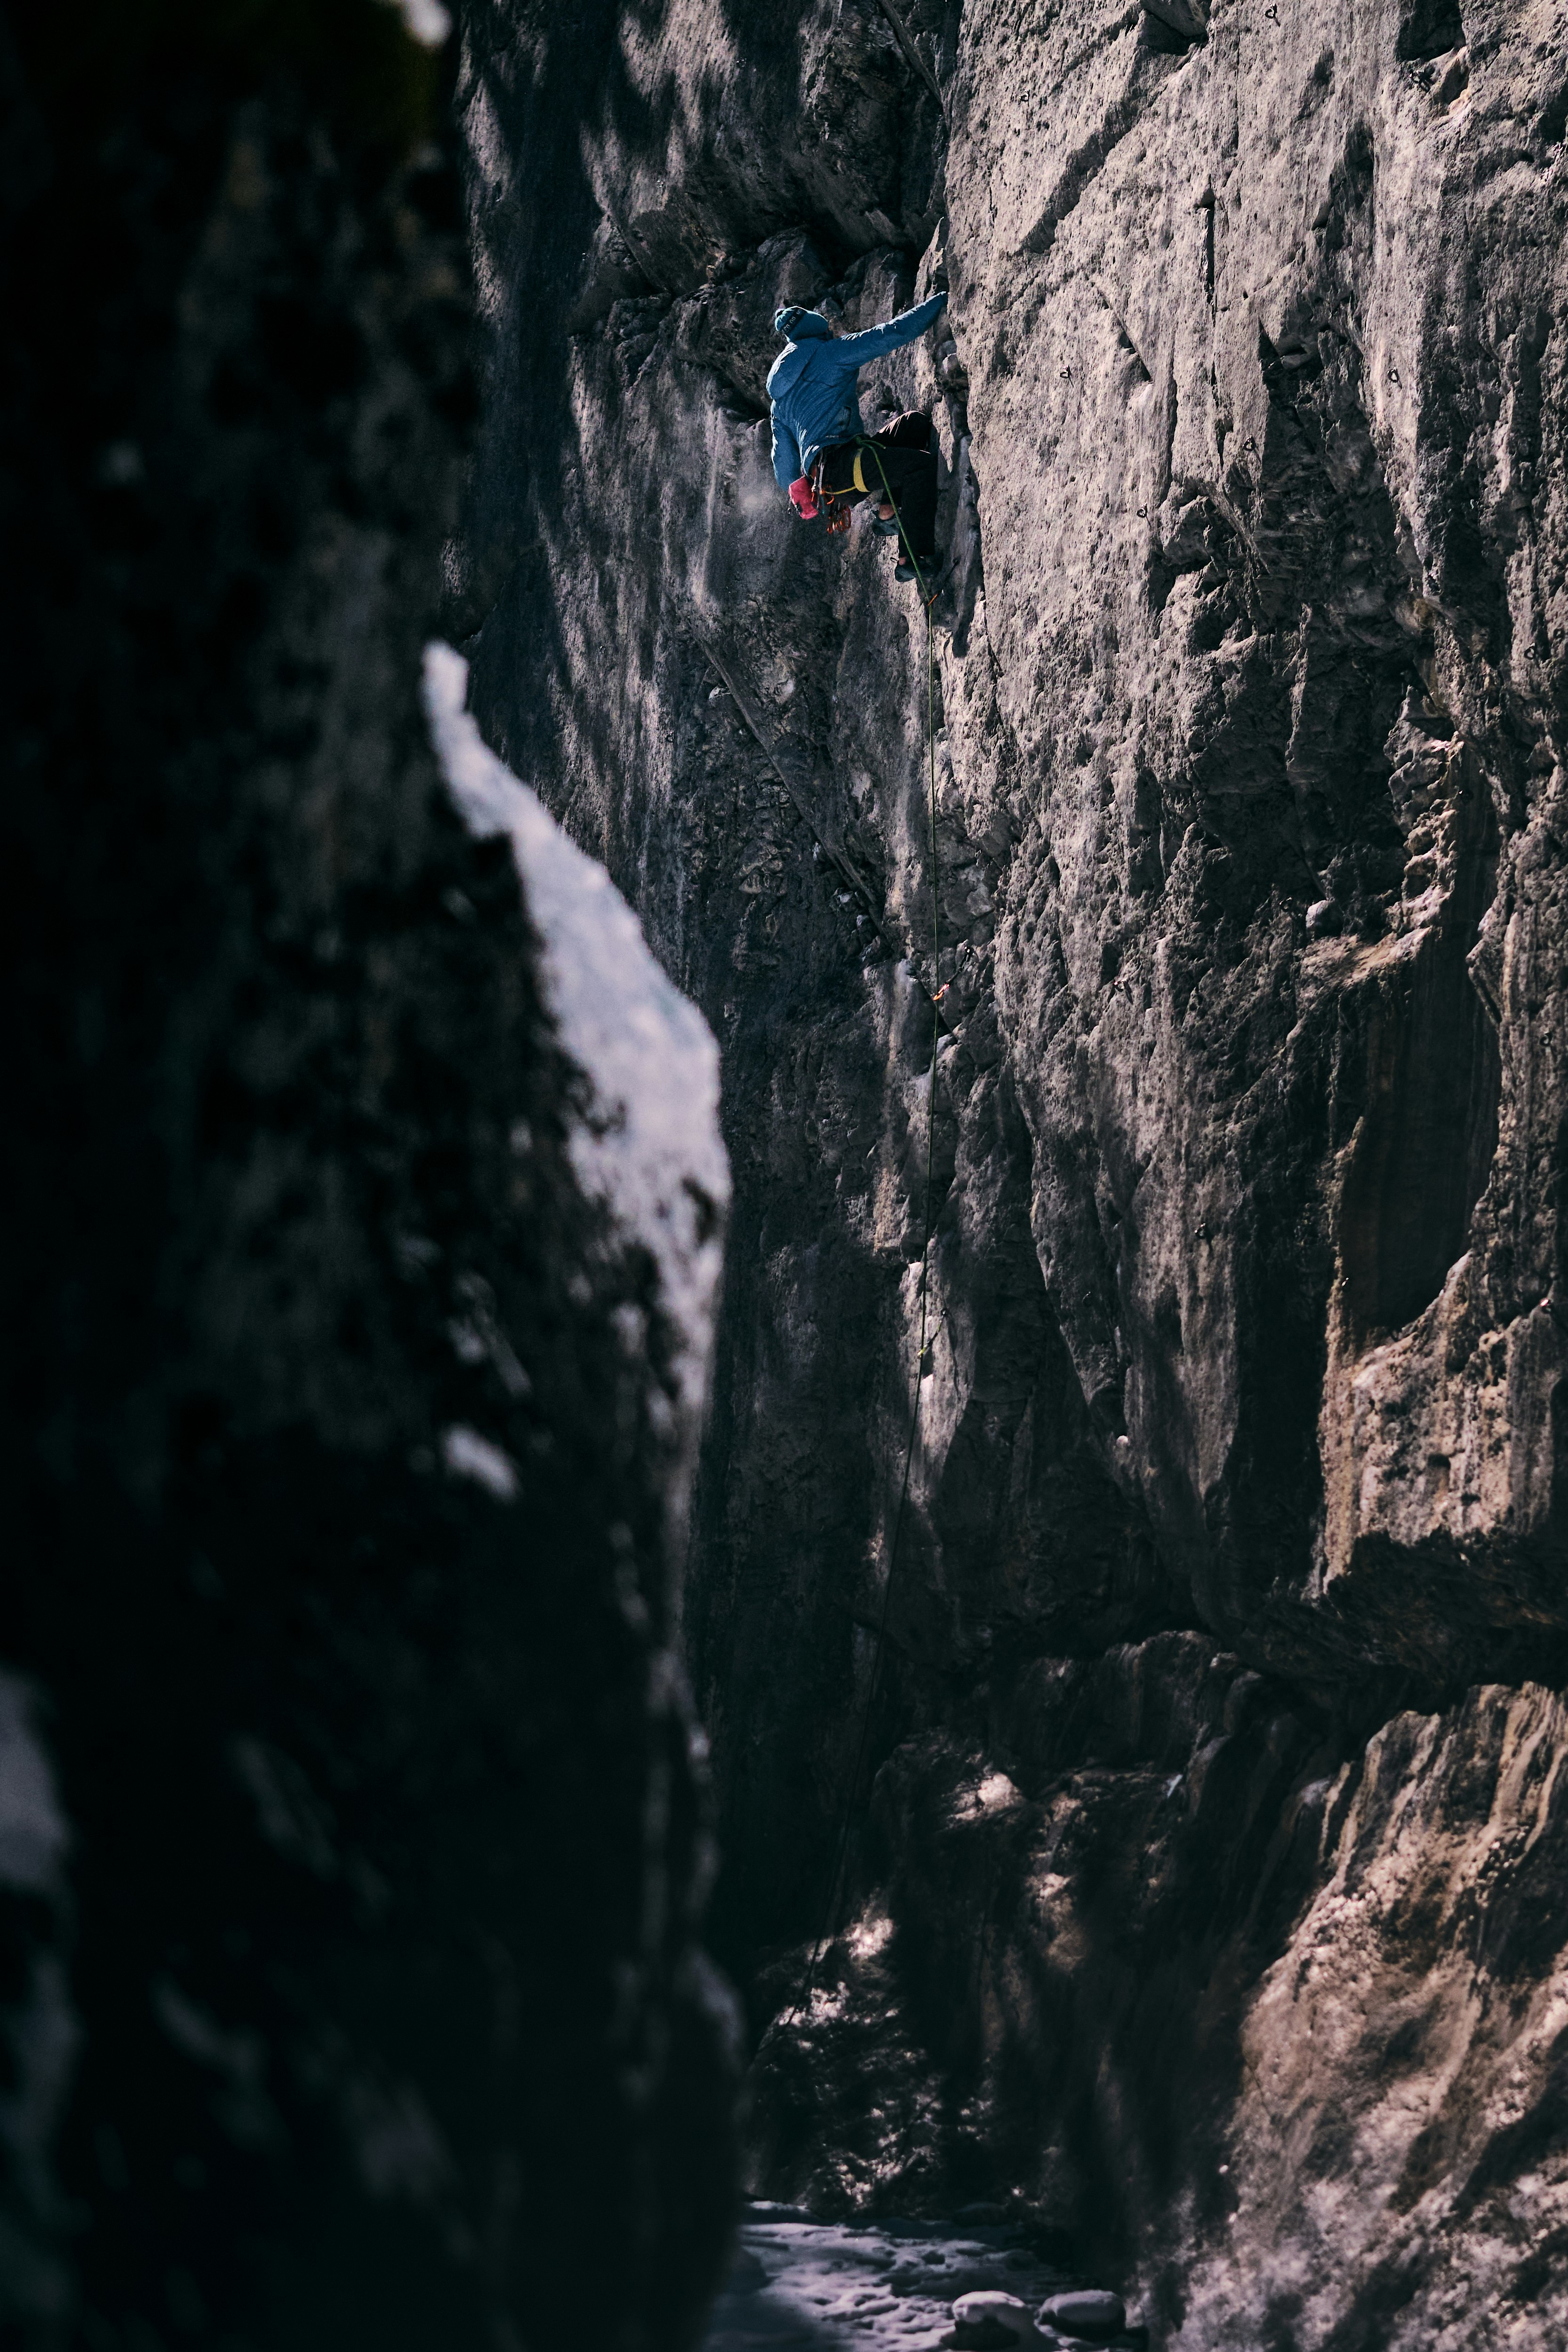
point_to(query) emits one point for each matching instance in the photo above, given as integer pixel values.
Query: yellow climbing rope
(936, 993)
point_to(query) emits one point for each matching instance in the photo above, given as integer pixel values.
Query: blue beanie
(794, 323)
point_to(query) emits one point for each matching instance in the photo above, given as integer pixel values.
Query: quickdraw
(833, 505)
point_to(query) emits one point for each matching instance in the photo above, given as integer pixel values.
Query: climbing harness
(937, 990)
(836, 507)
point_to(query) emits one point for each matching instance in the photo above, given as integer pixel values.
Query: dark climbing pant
(902, 452)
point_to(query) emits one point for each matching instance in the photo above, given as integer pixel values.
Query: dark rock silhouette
(352, 1838)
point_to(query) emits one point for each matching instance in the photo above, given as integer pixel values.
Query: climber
(820, 445)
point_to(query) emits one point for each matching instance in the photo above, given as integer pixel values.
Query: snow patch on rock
(649, 1147)
(896, 2286)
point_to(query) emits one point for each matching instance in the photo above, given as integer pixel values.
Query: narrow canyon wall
(353, 1835)
(1203, 1867)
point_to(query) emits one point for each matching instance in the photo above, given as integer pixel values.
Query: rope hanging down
(936, 993)
(902, 35)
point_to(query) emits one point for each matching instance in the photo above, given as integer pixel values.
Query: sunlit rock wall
(1199, 1869)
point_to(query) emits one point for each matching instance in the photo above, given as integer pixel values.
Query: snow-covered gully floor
(816, 2285)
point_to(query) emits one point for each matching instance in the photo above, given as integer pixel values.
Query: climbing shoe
(907, 571)
(886, 527)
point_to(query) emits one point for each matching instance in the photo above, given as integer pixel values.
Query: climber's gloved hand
(801, 499)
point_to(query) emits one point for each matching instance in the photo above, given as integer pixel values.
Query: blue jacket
(812, 382)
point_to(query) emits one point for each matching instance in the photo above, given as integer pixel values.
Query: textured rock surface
(1200, 1866)
(351, 1837)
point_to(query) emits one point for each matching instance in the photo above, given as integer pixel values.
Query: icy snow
(650, 1146)
(800, 2284)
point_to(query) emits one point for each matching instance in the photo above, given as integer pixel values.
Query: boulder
(1092, 2313)
(988, 2321)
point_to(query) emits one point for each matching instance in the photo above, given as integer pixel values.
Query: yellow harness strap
(860, 481)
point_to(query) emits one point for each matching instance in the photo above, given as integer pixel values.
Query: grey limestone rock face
(1200, 1873)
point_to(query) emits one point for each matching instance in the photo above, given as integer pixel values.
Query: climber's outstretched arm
(853, 350)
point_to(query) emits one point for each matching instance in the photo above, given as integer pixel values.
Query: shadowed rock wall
(352, 1837)
(1201, 1865)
